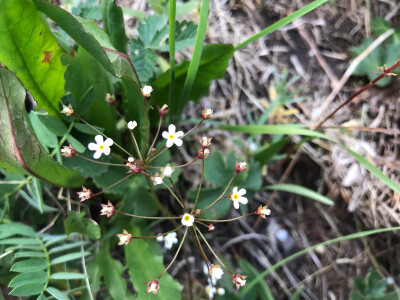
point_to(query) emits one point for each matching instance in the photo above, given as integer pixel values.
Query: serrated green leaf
(30, 50)
(27, 289)
(72, 26)
(113, 24)
(300, 190)
(20, 151)
(56, 293)
(67, 276)
(31, 277)
(87, 168)
(76, 223)
(29, 265)
(112, 271)
(185, 36)
(213, 64)
(69, 257)
(144, 266)
(149, 27)
(144, 60)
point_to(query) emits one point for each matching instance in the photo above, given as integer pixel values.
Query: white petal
(171, 129)
(165, 135)
(178, 142)
(160, 238)
(236, 204)
(168, 244)
(93, 146)
(234, 191)
(108, 142)
(97, 154)
(243, 200)
(106, 150)
(169, 143)
(99, 139)
(242, 192)
(179, 134)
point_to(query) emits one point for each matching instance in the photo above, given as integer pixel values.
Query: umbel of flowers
(140, 164)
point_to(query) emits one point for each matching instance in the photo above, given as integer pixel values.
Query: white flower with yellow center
(167, 171)
(131, 125)
(216, 273)
(187, 220)
(170, 239)
(101, 146)
(236, 197)
(146, 91)
(172, 137)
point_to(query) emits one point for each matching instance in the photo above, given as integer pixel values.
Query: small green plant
(372, 287)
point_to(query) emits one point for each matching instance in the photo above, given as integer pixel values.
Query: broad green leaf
(261, 290)
(300, 190)
(113, 175)
(31, 277)
(30, 50)
(45, 137)
(139, 201)
(19, 149)
(76, 144)
(293, 129)
(27, 289)
(90, 9)
(112, 271)
(151, 28)
(87, 129)
(86, 102)
(69, 257)
(87, 168)
(29, 265)
(113, 24)
(76, 223)
(213, 64)
(144, 60)
(67, 276)
(208, 196)
(144, 266)
(56, 293)
(72, 26)
(185, 36)
(53, 124)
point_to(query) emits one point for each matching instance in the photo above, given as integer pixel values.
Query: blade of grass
(300, 190)
(300, 253)
(172, 16)
(293, 129)
(198, 49)
(290, 18)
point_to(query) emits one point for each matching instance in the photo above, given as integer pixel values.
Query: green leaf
(29, 265)
(144, 266)
(10, 229)
(76, 144)
(56, 293)
(69, 257)
(213, 64)
(86, 102)
(144, 60)
(261, 289)
(22, 241)
(300, 190)
(152, 28)
(292, 129)
(67, 276)
(112, 271)
(29, 254)
(208, 196)
(30, 50)
(31, 277)
(86, 168)
(114, 175)
(76, 223)
(66, 247)
(20, 151)
(113, 24)
(72, 26)
(185, 36)
(290, 18)
(45, 137)
(6, 187)
(27, 289)
(87, 129)
(88, 9)
(53, 124)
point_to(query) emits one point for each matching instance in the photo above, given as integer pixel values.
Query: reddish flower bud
(85, 194)
(206, 153)
(239, 280)
(124, 237)
(240, 167)
(153, 287)
(107, 210)
(163, 110)
(133, 165)
(207, 113)
(67, 110)
(263, 211)
(68, 151)
(205, 142)
(211, 227)
(110, 99)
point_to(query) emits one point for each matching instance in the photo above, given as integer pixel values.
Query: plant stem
(63, 139)
(144, 217)
(227, 220)
(200, 247)
(157, 235)
(176, 254)
(155, 137)
(135, 145)
(200, 184)
(176, 198)
(212, 251)
(172, 16)
(191, 130)
(99, 162)
(220, 197)
(146, 128)
(119, 181)
(175, 167)
(85, 272)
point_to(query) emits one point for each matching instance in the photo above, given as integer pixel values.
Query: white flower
(187, 220)
(146, 91)
(160, 238)
(101, 146)
(157, 179)
(205, 268)
(236, 197)
(167, 171)
(172, 137)
(170, 239)
(131, 125)
(216, 273)
(221, 291)
(210, 291)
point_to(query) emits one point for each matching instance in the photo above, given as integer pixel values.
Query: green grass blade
(300, 253)
(198, 49)
(290, 18)
(172, 16)
(294, 129)
(300, 190)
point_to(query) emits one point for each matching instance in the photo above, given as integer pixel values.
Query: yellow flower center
(171, 136)
(187, 218)
(235, 196)
(101, 147)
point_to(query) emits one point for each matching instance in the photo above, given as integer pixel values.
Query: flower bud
(107, 210)
(211, 227)
(153, 287)
(124, 238)
(205, 142)
(239, 280)
(240, 167)
(163, 110)
(263, 211)
(110, 99)
(146, 91)
(68, 151)
(85, 194)
(67, 110)
(207, 113)
(206, 153)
